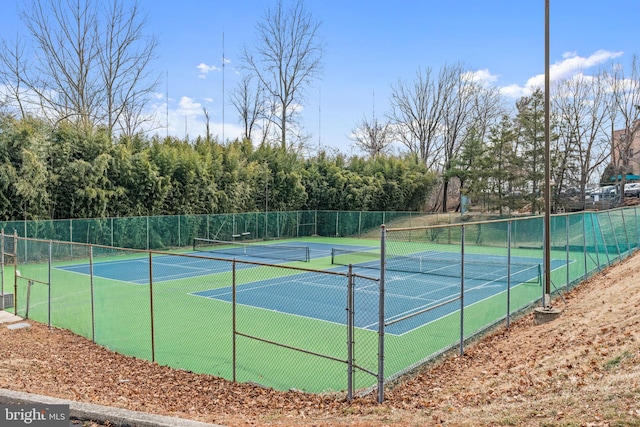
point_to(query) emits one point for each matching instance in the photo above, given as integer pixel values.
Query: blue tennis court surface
(324, 298)
(172, 267)
(164, 268)
(414, 283)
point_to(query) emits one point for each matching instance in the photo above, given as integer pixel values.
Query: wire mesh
(258, 250)
(286, 317)
(191, 331)
(290, 328)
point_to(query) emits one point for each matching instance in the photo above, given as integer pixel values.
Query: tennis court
(315, 296)
(291, 324)
(414, 283)
(184, 319)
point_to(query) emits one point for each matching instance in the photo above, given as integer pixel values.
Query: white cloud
(515, 91)
(187, 119)
(206, 69)
(188, 107)
(571, 65)
(484, 77)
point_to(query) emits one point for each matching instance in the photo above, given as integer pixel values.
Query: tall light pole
(547, 165)
(546, 312)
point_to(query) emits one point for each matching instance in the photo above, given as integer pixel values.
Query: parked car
(606, 192)
(632, 190)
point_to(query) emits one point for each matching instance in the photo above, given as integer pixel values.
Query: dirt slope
(583, 369)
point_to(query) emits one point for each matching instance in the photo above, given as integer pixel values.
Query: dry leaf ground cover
(583, 369)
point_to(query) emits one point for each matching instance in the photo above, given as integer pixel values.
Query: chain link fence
(377, 313)
(445, 285)
(281, 326)
(170, 232)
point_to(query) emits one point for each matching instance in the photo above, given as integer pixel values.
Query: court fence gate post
(383, 244)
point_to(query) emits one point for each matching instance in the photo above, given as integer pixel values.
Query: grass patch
(613, 363)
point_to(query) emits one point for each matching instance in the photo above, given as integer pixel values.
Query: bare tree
(416, 113)
(125, 53)
(12, 66)
(92, 62)
(581, 105)
(433, 115)
(459, 120)
(207, 124)
(625, 114)
(373, 137)
(248, 100)
(486, 108)
(287, 57)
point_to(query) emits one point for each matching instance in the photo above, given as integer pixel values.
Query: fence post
(49, 281)
(233, 317)
(635, 215)
(93, 311)
(508, 273)
(566, 222)
(15, 272)
(615, 238)
(383, 245)
(626, 234)
(2, 266)
(604, 242)
(584, 245)
(26, 255)
(462, 240)
(595, 239)
(153, 347)
(350, 323)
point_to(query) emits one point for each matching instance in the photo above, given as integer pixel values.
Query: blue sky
(370, 45)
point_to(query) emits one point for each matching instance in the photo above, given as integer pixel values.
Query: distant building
(625, 150)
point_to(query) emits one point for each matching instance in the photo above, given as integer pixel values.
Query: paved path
(101, 414)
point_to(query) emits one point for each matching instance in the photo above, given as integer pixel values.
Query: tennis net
(490, 268)
(271, 251)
